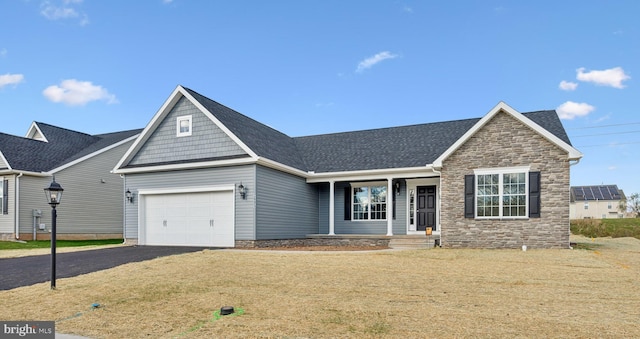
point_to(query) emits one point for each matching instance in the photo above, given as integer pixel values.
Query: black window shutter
(469, 196)
(347, 203)
(534, 194)
(5, 197)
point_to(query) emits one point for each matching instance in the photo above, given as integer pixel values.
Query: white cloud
(568, 85)
(11, 79)
(3, 52)
(53, 11)
(612, 168)
(77, 93)
(570, 110)
(609, 77)
(371, 61)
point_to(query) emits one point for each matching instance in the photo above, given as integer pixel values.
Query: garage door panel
(190, 219)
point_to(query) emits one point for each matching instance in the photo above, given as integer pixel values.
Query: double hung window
(369, 202)
(502, 193)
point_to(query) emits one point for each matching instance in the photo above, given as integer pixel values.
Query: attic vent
(35, 133)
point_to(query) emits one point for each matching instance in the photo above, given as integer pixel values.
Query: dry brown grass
(396, 294)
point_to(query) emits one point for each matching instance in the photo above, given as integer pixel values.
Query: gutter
(17, 205)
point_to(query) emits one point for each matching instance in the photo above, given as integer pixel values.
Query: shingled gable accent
(573, 154)
(263, 144)
(178, 93)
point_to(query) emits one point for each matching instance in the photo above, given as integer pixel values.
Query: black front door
(426, 207)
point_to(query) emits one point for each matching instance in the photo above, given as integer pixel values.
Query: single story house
(91, 204)
(203, 174)
(596, 202)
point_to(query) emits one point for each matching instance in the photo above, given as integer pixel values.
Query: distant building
(596, 202)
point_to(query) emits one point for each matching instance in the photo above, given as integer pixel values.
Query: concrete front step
(412, 242)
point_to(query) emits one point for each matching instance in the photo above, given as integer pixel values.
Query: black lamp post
(54, 195)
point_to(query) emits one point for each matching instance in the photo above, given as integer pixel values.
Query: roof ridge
(62, 128)
(237, 112)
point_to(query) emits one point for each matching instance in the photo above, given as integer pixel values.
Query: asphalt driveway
(25, 271)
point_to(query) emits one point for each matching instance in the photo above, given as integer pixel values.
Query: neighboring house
(92, 203)
(596, 202)
(204, 174)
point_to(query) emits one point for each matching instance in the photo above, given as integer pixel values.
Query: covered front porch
(403, 204)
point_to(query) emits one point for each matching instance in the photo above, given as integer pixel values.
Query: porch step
(412, 242)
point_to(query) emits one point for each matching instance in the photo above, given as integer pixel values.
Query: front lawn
(436, 293)
(14, 245)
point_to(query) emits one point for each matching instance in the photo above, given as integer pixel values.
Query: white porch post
(332, 212)
(390, 196)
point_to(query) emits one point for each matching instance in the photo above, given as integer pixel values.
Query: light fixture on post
(242, 190)
(54, 195)
(129, 196)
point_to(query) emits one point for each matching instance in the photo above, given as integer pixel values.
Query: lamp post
(54, 195)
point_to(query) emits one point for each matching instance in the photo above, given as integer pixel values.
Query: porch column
(390, 196)
(332, 212)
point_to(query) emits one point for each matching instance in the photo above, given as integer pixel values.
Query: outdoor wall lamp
(397, 185)
(242, 190)
(129, 196)
(54, 195)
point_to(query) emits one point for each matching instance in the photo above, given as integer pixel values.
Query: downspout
(17, 205)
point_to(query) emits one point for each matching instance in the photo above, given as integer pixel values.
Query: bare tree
(630, 204)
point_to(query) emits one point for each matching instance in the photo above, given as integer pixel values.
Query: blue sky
(314, 67)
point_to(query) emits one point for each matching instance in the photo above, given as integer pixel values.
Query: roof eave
(396, 173)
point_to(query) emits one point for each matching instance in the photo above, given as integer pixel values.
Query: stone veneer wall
(505, 142)
(313, 242)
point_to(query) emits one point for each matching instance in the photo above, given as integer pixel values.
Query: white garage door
(189, 219)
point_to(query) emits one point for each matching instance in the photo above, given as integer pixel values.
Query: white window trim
(179, 120)
(369, 184)
(501, 171)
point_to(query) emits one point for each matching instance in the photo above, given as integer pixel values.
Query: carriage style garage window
(183, 126)
(502, 193)
(369, 201)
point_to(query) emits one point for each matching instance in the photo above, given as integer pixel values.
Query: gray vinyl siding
(244, 209)
(287, 207)
(400, 222)
(343, 226)
(7, 220)
(91, 202)
(164, 146)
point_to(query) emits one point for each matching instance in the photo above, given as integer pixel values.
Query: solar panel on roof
(603, 192)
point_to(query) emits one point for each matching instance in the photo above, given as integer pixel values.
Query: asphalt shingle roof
(63, 146)
(263, 140)
(394, 147)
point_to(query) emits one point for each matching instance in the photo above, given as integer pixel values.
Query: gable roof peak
(573, 154)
